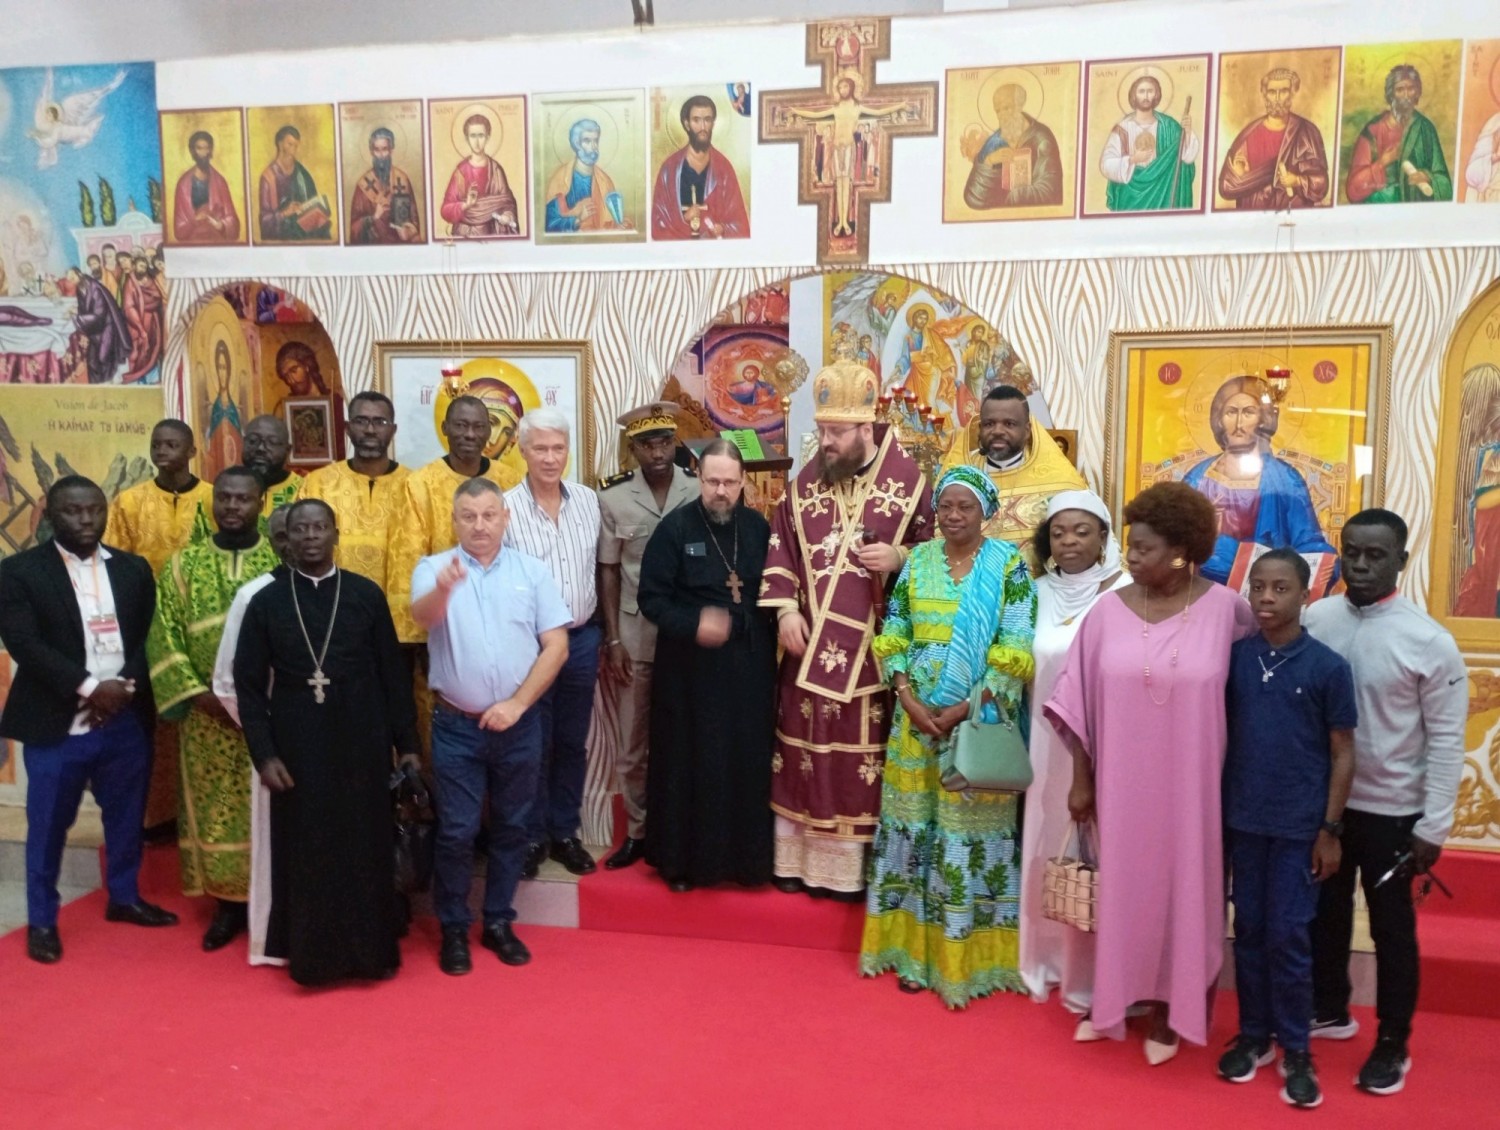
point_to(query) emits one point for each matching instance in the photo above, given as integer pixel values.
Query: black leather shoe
(502, 939)
(453, 958)
(230, 921)
(630, 851)
(678, 886)
(571, 855)
(534, 856)
(44, 944)
(788, 884)
(139, 913)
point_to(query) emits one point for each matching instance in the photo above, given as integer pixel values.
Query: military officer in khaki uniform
(631, 504)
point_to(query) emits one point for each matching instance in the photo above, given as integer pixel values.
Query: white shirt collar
(1010, 464)
(73, 558)
(332, 569)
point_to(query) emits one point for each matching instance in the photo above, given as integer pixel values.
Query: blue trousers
(467, 763)
(565, 710)
(1275, 900)
(116, 760)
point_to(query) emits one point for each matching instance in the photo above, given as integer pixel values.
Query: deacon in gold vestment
(842, 528)
(155, 519)
(368, 491)
(426, 525)
(1022, 460)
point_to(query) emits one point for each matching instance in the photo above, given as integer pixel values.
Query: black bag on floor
(416, 832)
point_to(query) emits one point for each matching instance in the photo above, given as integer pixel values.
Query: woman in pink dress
(1141, 704)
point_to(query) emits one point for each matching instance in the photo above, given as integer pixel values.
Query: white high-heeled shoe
(1085, 1033)
(1158, 1053)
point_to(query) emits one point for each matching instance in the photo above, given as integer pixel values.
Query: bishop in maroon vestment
(843, 528)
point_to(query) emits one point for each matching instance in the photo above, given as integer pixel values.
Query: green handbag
(987, 755)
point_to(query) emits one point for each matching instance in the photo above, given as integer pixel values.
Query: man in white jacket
(1412, 689)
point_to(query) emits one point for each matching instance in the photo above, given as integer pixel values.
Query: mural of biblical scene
(700, 161)
(293, 169)
(479, 174)
(915, 337)
(82, 282)
(385, 176)
(1010, 143)
(252, 349)
(587, 152)
(203, 168)
(45, 433)
(1143, 135)
(1285, 443)
(844, 130)
(1400, 122)
(1278, 129)
(765, 312)
(734, 371)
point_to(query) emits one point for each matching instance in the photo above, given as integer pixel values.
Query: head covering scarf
(1073, 593)
(975, 480)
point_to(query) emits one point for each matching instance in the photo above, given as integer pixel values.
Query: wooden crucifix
(843, 130)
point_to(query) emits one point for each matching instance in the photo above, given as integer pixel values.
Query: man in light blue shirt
(497, 635)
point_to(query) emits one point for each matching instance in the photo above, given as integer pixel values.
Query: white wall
(910, 227)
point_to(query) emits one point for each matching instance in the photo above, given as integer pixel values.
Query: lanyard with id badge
(101, 625)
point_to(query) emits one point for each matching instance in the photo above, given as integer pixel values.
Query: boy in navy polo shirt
(1290, 761)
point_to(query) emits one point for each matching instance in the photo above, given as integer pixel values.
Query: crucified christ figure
(846, 114)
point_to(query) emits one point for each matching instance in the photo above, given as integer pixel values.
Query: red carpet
(635, 900)
(140, 1028)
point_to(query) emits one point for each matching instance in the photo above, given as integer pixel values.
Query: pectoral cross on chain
(319, 681)
(734, 584)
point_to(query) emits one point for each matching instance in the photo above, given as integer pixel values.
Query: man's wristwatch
(1334, 828)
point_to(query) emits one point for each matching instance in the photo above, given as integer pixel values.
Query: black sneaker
(1245, 1055)
(1333, 1028)
(1301, 1087)
(1384, 1073)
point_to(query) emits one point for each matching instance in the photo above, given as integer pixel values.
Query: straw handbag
(1070, 882)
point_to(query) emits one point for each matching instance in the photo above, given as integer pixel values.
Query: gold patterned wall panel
(1057, 313)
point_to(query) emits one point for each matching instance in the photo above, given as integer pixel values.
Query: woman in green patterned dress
(945, 883)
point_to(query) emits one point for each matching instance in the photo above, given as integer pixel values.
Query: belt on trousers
(441, 703)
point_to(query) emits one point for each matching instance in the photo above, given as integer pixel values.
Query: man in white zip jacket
(1412, 689)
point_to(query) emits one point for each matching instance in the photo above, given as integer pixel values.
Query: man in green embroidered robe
(193, 594)
(1398, 157)
(1150, 158)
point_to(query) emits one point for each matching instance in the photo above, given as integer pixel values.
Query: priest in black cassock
(325, 700)
(708, 783)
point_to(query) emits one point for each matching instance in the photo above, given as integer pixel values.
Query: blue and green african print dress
(945, 881)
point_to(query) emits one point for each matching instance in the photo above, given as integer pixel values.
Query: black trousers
(1371, 846)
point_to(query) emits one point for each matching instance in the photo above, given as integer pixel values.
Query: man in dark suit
(74, 616)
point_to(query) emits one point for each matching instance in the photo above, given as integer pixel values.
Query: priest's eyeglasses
(369, 422)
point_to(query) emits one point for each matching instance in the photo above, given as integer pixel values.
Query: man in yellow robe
(155, 519)
(425, 526)
(367, 491)
(1022, 460)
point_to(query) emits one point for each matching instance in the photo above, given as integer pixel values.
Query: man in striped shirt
(558, 523)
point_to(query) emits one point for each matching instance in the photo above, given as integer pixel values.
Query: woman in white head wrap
(1081, 561)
